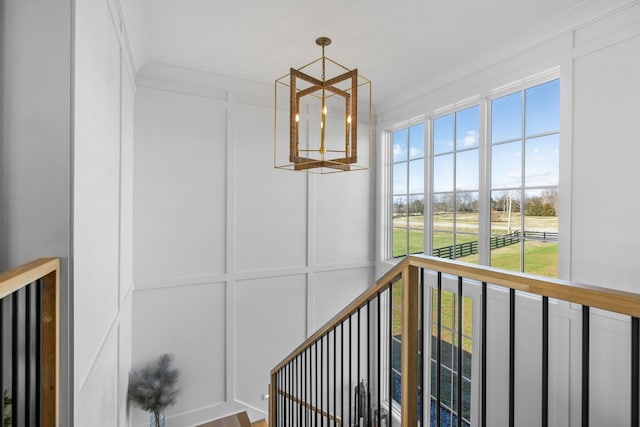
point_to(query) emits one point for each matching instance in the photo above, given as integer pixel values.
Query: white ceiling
(396, 44)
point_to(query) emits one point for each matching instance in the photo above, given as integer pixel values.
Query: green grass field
(541, 258)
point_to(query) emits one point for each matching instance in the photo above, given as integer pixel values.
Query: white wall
(603, 180)
(35, 144)
(235, 262)
(599, 63)
(102, 214)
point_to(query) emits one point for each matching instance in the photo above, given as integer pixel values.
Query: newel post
(410, 313)
(50, 348)
(273, 399)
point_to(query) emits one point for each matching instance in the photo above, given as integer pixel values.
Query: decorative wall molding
(607, 31)
(246, 109)
(150, 285)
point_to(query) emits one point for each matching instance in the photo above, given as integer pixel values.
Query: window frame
(483, 99)
(523, 188)
(453, 110)
(389, 255)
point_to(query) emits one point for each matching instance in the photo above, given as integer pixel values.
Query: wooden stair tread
(241, 419)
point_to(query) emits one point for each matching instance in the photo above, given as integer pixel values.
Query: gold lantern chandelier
(327, 127)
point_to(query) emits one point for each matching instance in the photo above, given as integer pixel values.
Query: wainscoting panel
(270, 319)
(179, 213)
(189, 323)
(271, 210)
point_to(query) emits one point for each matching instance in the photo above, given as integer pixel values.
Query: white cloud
(398, 150)
(415, 152)
(471, 138)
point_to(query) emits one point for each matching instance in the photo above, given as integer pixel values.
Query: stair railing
(366, 363)
(30, 301)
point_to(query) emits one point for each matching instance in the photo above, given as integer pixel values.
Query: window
(449, 358)
(493, 197)
(408, 191)
(456, 185)
(525, 145)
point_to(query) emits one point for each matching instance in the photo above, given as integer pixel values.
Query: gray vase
(153, 422)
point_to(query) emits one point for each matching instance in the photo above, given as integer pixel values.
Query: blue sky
(459, 132)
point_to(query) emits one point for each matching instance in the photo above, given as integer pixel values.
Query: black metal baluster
(545, 361)
(421, 350)
(2, 348)
(305, 371)
(15, 353)
(303, 385)
(483, 368)
(308, 389)
(328, 381)
(512, 356)
(321, 380)
(277, 398)
(38, 402)
(27, 355)
(439, 351)
(366, 391)
(379, 340)
(460, 354)
(328, 411)
(298, 387)
(315, 400)
(390, 350)
(635, 371)
(335, 383)
(289, 395)
(358, 409)
(342, 371)
(585, 366)
(350, 374)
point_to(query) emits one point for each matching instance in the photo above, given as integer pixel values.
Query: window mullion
(484, 218)
(428, 187)
(408, 198)
(522, 177)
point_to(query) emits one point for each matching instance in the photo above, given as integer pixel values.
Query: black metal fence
(461, 250)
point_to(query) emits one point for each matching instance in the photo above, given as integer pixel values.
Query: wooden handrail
(344, 314)
(593, 296)
(407, 272)
(16, 278)
(47, 270)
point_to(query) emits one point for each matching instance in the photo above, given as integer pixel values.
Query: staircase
(432, 330)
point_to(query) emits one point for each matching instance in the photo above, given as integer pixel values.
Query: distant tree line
(416, 207)
(544, 204)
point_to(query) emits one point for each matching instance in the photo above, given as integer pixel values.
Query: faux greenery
(153, 387)
(6, 408)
